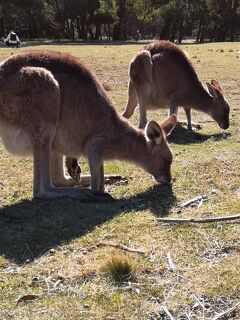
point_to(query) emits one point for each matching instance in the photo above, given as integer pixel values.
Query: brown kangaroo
(51, 105)
(161, 75)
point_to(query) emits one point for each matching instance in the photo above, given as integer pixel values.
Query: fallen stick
(193, 200)
(121, 247)
(165, 309)
(220, 315)
(203, 220)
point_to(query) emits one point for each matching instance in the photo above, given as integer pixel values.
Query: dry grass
(51, 248)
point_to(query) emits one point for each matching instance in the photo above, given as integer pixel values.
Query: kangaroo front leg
(189, 118)
(132, 101)
(143, 112)
(192, 126)
(97, 177)
(94, 151)
(102, 180)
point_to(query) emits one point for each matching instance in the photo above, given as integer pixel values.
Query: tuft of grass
(119, 268)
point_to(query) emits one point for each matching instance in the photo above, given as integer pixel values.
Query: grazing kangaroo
(51, 105)
(161, 75)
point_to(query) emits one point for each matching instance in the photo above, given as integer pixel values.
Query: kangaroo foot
(79, 193)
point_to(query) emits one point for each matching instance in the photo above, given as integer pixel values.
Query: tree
(211, 20)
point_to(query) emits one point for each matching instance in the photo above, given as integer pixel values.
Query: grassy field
(56, 255)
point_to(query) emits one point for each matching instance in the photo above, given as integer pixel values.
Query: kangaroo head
(159, 161)
(220, 108)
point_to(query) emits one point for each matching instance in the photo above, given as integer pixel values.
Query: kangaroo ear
(212, 90)
(216, 84)
(153, 132)
(169, 124)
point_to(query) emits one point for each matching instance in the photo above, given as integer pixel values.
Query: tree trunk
(233, 22)
(165, 32)
(72, 30)
(109, 32)
(68, 29)
(98, 33)
(117, 32)
(199, 31)
(180, 36)
(203, 32)
(91, 33)
(78, 26)
(83, 33)
(2, 28)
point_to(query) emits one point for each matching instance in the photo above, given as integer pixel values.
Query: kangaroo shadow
(28, 229)
(183, 136)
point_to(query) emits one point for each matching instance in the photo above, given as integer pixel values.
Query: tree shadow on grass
(28, 229)
(183, 136)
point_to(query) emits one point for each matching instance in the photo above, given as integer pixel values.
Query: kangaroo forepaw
(73, 169)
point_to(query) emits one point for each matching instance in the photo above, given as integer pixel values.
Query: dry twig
(165, 309)
(121, 247)
(202, 220)
(193, 200)
(220, 315)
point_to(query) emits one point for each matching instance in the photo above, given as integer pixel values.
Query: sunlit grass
(69, 278)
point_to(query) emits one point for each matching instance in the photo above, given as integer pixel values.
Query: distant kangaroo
(161, 75)
(51, 105)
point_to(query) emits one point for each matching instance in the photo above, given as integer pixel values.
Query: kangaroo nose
(225, 126)
(223, 123)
